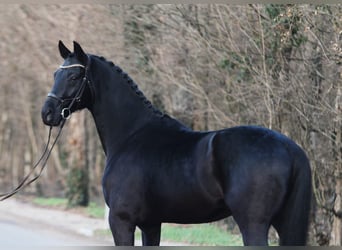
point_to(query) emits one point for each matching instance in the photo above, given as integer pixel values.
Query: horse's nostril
(48, 116)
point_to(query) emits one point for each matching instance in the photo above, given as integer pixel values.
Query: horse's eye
(74, 77)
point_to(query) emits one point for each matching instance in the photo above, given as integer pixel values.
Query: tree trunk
(336, 232)
(77, 181)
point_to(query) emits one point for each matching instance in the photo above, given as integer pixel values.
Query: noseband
(66, 112)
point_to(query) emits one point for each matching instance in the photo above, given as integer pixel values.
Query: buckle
(66, 113)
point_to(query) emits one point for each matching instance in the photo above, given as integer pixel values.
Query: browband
(71, 66)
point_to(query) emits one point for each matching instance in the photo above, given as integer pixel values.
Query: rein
(46, 154)
(65, 113)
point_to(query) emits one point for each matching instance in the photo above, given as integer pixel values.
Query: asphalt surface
(16, 235)
(22, 224)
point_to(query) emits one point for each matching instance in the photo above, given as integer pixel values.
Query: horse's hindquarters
(257, 168)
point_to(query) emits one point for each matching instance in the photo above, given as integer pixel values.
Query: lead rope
(46, 154)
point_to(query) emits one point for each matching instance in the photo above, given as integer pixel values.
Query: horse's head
(70, 91)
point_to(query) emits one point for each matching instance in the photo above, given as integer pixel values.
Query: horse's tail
(292, 220)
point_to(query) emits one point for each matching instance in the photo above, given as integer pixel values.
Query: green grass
(200, 234)
(50, 202)
(92, 210)
(95, 210)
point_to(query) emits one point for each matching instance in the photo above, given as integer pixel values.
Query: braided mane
(133, 86)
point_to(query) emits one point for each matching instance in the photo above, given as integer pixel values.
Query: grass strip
(200, 234)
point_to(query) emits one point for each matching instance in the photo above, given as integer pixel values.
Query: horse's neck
(118, 111)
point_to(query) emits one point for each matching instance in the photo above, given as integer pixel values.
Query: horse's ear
(64, 51)
(81, 56)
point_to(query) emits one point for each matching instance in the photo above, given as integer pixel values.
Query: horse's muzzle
(51, 115)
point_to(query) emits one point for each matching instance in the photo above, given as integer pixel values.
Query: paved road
(22, 225)
(16, 235)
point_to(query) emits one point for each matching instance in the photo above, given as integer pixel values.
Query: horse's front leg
(122, 229)
(151, 234)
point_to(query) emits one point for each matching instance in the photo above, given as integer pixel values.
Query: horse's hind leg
(253, 207)
(151, 234)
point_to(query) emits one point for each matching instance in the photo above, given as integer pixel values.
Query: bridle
(65, 113)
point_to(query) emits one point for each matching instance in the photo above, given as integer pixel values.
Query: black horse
(158, 170)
